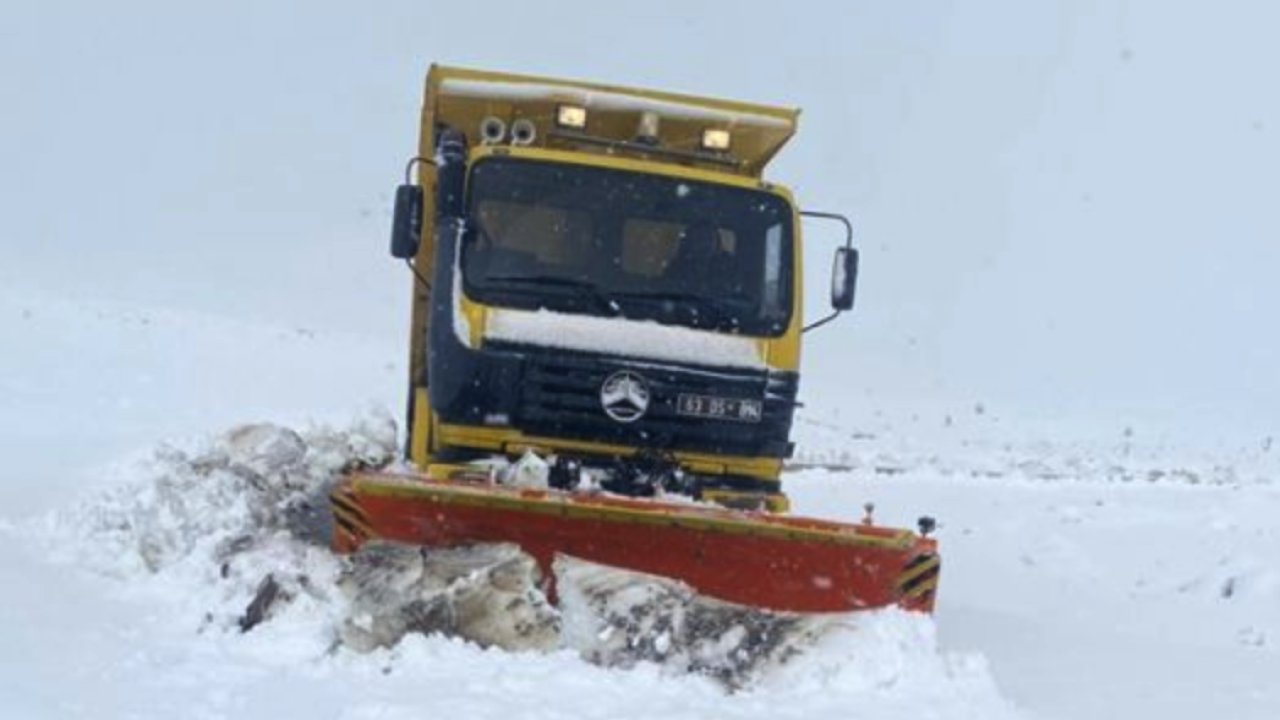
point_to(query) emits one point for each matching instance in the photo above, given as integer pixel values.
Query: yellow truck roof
(463, 99)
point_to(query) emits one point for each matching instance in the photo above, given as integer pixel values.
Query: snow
(604, 100)
(643, 339)
(1098, 577)
(1062, 571)
(461, 325)
(177, 553)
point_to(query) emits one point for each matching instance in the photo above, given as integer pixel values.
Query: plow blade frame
(772, 562)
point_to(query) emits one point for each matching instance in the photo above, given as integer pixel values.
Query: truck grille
(559, 396)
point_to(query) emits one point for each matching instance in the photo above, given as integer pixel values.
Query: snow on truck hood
(619, 336)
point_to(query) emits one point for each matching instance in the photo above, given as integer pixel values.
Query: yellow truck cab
(602, 277)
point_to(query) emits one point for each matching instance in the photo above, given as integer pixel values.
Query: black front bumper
(554, 393)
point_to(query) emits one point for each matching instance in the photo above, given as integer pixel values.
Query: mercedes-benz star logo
(624, 396)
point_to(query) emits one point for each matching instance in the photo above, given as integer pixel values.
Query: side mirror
(406, 222)
(844, 278)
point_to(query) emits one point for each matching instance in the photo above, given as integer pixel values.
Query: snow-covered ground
(122, 598)
(1072, 587)
(1096, 598)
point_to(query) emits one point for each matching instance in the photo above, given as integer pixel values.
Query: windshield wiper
(584, 289)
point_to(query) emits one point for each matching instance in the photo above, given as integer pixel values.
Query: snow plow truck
(605, 345)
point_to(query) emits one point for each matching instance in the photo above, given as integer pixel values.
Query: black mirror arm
(408, 180)
(821, 321)
(848, 226)
(848, 243)
(409, 166)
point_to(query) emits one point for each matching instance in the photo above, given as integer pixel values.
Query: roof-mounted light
(647, 130)
(715, 140)
(571, 116)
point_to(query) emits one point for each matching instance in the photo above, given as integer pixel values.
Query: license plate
(720, 408)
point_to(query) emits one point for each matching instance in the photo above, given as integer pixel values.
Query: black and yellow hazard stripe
(348, 516)
(920, 576)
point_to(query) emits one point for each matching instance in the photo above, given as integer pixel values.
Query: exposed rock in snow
(490, 595)
(487, 594)
(617, 618)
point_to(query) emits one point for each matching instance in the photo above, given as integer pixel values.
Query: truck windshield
(606, 242)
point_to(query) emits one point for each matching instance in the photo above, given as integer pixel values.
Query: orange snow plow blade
(758, 559)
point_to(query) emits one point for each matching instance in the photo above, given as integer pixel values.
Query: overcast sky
(1068, 211)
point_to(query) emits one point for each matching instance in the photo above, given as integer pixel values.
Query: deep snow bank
(233, 534)
(214, 527)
